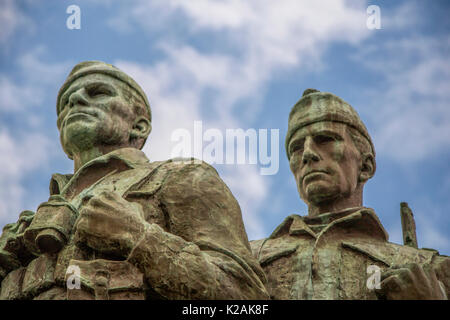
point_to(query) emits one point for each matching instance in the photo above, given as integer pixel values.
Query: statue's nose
(309, 154)
(77, 98)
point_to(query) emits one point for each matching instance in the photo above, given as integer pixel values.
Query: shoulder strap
(150, 181)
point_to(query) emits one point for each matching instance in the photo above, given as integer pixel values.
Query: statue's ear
(367, 167)
(141, 128)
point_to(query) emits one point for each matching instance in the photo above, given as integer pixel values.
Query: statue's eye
(99, 90)
(322, 139)
(296, 146)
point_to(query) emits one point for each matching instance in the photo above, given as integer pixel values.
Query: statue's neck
(85, 156)
(326, 218)
(336, 205)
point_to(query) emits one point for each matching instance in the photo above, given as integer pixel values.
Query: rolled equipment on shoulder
(52, 225)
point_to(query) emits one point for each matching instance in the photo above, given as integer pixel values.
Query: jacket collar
(363, 219)
(117, 160)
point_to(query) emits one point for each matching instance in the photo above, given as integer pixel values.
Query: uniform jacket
(327, 257)
(195, 246)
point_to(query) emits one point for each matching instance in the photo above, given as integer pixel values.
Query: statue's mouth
(79, 114)
(312, 174)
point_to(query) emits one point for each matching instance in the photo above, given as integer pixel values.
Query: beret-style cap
(315, 106)
(91, 67)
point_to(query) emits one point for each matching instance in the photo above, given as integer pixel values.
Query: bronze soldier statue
(340, 250)
(124, 227)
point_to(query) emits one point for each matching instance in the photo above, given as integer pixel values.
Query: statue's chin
(318, 192)
(79, 136)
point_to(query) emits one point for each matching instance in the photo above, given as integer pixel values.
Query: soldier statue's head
(330, 152)
(101, 109)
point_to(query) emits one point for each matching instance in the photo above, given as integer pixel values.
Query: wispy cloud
(15, 97)
(32, 83)
(259, 36)
(410, 108)
(11, 21)
(405, 15)
(26, 148)
(19, 156)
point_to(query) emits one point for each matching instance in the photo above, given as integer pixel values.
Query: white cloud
(32, 84)
(410, 108)
(38, 72)
(217, 15)
(405, 15)
(284, 33)
(11, 20)
(263, 35)
(15, 97)
(19, 155)
(279, 22)
(22, 152)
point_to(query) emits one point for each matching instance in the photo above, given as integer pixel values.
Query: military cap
(315, 106)
(91, 67)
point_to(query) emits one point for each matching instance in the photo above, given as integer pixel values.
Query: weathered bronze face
(325, 162)
(94, 112)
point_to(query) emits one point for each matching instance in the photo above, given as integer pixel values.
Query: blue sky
(242, 64)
